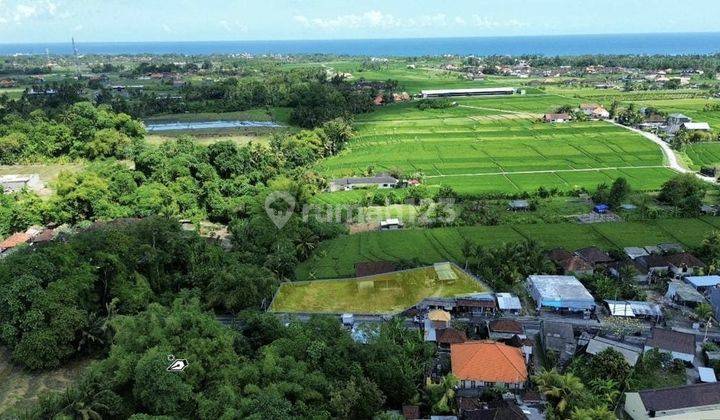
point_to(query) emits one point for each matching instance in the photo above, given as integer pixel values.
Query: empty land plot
(381, 294)
(483, 150)
(337, 258)
(46, 172)
(20, 389)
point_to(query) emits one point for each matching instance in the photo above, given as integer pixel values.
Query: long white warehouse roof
(467, 91)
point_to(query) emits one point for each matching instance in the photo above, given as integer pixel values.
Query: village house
(481, 305)
(684, 264)
(595, 111)
(684, 294)
(556, 118)
(634, 309)
(13, 241)
(697, 401)
(477, 409)
(679, 345)
(508, 303)
(703, 283)
(504, 329)
(570, 264)
(559, 338)
(481, 364)
(560, 293)
(595, 256)
(446, 337)
(630, 353)
(346, 184)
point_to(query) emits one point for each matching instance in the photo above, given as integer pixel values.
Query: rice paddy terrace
(487, 145)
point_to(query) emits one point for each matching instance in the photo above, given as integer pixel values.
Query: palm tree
(704, 311)
(595, 413)
(607, 388)
(561, 390)
(468, 250)
(441, 396)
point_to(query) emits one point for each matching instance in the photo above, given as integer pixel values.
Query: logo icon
(177, 365)
(279, 206)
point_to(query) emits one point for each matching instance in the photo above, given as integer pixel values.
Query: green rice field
(487, 145)
(337, 258)
(704, 154)
(380, 294)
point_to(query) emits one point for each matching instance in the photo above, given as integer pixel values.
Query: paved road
(670, 157)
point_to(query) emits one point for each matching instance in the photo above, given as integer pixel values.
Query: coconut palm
(441, 396)
(559, 389)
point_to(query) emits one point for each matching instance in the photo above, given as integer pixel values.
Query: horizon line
(371, 39)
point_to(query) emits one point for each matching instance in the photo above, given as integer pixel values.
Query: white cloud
(24, 11)
(487, 23)
(377, 19)
(78, 28)
(235, 26)
(165, 27)
(371, 19)
(29, 10)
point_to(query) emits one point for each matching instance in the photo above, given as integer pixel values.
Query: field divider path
(504, 111)
(550, 171)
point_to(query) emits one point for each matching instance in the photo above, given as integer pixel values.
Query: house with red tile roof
(13, 241)
(480, 364)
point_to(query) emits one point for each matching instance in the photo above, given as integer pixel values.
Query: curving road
(670, 157)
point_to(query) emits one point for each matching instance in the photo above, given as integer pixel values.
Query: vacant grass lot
(48, 173)
(380, 294)
(497, 145)
(275, 114)
(336, 258)
(20, 389)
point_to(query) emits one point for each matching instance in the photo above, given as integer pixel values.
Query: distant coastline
(647, 44)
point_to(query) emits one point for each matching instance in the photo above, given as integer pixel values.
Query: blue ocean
(666, 43)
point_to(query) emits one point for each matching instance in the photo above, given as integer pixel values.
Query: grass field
(19, 389)
(497, 145)
(337, 258)
(381, 294)
(48, 173)
(280, 115)
(208, 139)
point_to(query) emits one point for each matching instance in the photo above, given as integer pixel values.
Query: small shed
(508, 302)
(601, 208)
(519, 205)
(445, 271)
(707, 374)
(348, 319)
(391, 224)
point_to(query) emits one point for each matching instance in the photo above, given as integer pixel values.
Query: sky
(226, 20)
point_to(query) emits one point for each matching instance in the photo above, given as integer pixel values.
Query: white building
(13, 183)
